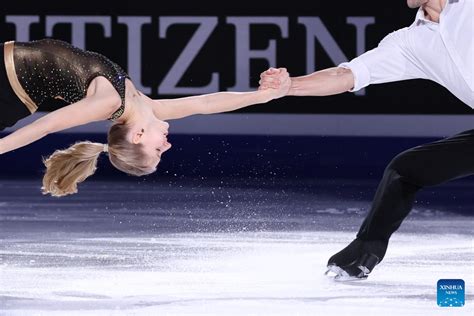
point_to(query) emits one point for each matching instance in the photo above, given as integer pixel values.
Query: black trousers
(425, 165)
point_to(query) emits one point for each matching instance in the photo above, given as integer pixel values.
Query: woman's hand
(276, 80)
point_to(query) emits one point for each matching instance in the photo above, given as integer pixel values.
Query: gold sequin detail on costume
(50, 68)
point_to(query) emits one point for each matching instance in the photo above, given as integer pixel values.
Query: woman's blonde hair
(68, 167)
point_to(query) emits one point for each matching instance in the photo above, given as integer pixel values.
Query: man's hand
(275, 79)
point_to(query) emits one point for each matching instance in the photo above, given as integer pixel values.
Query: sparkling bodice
(51, 68)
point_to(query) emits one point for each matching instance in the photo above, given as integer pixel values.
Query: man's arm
(392, 60)
(321, 83)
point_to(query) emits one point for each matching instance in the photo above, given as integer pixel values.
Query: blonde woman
(94, 89)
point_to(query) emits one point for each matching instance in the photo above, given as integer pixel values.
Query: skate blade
(348, 278)
(337, 274)
(333, 271)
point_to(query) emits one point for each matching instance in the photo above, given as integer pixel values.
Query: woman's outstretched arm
(168, 109)
(90, 109)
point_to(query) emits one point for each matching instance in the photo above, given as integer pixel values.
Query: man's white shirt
(442, 52)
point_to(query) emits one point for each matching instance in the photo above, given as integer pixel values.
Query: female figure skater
(94, 89)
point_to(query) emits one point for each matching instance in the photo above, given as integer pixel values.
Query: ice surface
(217, 249)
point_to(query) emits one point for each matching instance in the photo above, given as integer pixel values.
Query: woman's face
(155, 140)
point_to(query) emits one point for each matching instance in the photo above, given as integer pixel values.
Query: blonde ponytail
(68, 167)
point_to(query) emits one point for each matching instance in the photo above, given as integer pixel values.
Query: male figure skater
(438, 46)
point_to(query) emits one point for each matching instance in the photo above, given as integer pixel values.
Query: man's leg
(408, 172)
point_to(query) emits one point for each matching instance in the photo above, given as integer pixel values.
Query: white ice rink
(76, 256)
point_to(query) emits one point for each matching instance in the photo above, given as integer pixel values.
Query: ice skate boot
(356, 261)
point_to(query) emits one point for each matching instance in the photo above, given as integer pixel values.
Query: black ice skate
(356, 261)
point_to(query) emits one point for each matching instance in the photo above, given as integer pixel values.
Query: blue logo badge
(451, 293)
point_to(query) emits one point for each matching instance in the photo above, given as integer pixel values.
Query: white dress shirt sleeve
(390, 61)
